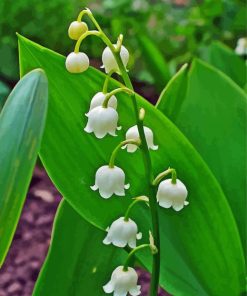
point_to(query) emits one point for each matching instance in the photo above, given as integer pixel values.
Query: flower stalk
(136, 200)
(119, 146)
(164, 174)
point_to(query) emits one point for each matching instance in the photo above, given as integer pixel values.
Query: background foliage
(178, 29)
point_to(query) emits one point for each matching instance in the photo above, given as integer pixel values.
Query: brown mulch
(32, 238)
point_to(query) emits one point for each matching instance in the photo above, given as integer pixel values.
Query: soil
(32, 238)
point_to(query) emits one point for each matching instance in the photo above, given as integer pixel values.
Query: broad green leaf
(21, 127)
(212, 115)
(226, 60)
(176, 88)
(78, 263)
(154, 60)
(201, 250)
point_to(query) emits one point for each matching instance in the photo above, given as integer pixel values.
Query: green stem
(147, 162)
(114, 92)
(149, 176)
(164, 174)
(132, 253)
(106, 83)
(115, 151)
(126, 216)
(83, 36)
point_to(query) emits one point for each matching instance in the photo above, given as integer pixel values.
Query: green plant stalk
(127, 213)
(120, 145)
(149, 175)
(146, 158)
(164, 174)
(114, 92)
(132, 253)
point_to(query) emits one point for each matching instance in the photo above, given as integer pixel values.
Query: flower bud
(98, 100)
(77, 62)
(110, 181)
(109, 61)
(123, 282)
(133, 133)
(76, 29)
(172, 195)
(102, 121)
(122, 232)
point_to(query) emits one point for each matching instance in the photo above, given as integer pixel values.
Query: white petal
(108, 288)
(113, 133)
(119, 128)
(119, 192)
(107, 240)
(154, 147)
(105, 194)
(88, 129)
(94, 187)
(186, 202)
(127, 186)
(120, 293)
(131, 148)
(165, 203)
(139, 235)
(178, 206)
(119, 243)
(132, 243)
(123, 147)
(100, 134)
(135, 291)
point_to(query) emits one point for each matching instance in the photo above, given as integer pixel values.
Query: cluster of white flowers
(109, 179)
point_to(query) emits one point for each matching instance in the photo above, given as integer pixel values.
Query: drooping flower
(133, 133)
(109, 61)
(123, 282)
(76, 29)
(98, 100)
(102, 121)
(241, 48)
(172, 195)
(77, 62)
(122, 232)
(110, 181)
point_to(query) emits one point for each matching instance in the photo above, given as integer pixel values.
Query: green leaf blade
(213, 116)
(86, 263)
(194, 255)
(21, 126)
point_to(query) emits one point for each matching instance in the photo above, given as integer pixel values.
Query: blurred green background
(171, 30)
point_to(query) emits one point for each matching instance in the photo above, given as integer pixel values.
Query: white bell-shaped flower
(109, 61)
(122, 232)
(133, 133)
(102, 121)
(98, 100)
(172, 195)
(76, 29)
(123, 282)
(110, 181)
(241, 48)
(77, 62)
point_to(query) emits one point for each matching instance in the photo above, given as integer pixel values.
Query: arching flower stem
(136, 200)
(107, 80)
(152, 248)
(114, 92)
(83, 36)
(164, 174)
(115, 151)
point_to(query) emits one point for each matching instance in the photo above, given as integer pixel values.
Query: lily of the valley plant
(110, 180)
